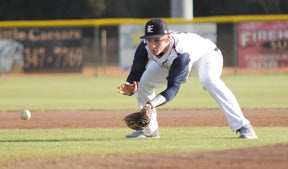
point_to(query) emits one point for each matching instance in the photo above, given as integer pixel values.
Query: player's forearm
(157, 101)
(133, 76)
(170, 92)
(166, 95)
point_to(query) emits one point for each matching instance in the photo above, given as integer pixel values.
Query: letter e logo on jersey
(150, 28)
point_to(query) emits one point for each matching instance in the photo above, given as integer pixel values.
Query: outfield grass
(94, 93)
(37, 143)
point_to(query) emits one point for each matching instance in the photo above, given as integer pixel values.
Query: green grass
(37, 143)
(71, 93)
(60, 93)
(252, 91)
(94, 93)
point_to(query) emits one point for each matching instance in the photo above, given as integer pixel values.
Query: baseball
(25, 115)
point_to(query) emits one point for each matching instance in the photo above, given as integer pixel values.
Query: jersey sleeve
(178, 74)
(139, 63)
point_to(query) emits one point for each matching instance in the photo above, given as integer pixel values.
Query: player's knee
(211, 83)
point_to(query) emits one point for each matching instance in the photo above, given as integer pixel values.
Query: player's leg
(209, 72)
(154, 77)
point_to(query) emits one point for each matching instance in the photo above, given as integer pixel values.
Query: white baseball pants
(208, 69)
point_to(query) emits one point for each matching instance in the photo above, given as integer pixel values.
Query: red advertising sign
(263, 44)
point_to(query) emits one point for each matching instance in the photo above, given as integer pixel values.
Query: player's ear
(169, 36)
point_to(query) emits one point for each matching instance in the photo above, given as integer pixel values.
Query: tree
(239, 7)
(50, 9)
(88, 9)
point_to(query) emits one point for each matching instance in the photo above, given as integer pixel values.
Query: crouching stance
(166, 59)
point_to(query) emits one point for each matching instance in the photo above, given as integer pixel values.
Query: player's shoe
(247, 132)
(140, 134)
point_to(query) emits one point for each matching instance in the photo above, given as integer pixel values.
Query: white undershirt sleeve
(157, 101)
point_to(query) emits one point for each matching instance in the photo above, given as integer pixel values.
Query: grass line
(37, 143)
(68, 93)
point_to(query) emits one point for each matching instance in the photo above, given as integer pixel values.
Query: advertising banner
(263, 44)
(41, 49)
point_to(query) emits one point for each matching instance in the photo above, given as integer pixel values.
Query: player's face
(158, 45)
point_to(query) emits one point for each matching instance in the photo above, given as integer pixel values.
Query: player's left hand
(139, 120)
(128, 88)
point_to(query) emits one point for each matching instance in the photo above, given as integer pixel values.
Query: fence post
(103, 50)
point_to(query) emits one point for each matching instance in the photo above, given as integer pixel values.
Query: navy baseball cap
(155, 28)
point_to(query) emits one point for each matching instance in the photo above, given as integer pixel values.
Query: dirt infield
(92, 119)
(274, 156)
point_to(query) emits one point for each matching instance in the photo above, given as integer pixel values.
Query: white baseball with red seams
(25, 114)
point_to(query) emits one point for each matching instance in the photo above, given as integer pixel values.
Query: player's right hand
(128, 88)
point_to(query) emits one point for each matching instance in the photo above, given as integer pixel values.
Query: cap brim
(152, 36)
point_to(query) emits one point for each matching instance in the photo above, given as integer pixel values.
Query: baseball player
(166, 59)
